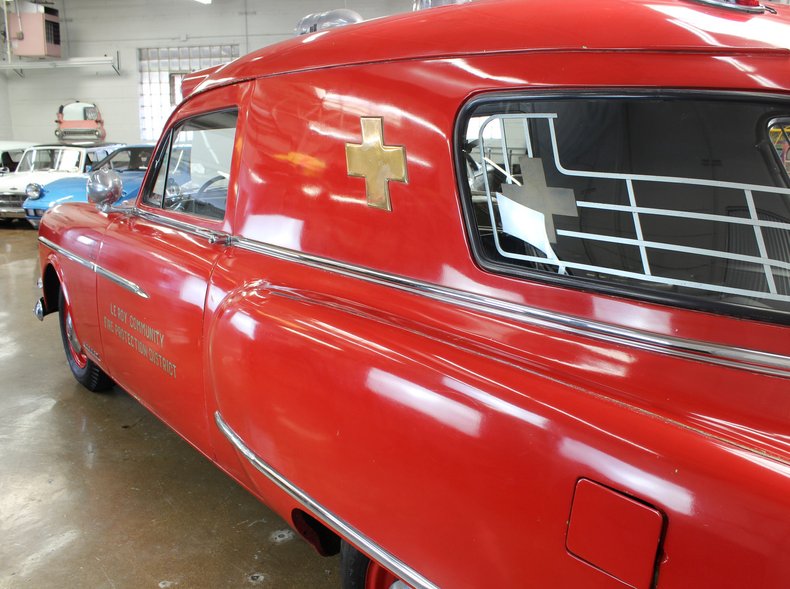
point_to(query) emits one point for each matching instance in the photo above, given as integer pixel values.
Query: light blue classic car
(130, 161)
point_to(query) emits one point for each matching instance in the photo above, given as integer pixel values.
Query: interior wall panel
(5, 109)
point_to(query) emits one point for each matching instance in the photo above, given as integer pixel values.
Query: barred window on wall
(161, 72)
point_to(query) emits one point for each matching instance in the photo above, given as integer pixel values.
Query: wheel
(87, 373)
(357, 571)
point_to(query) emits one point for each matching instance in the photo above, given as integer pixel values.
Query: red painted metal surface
(450, 437)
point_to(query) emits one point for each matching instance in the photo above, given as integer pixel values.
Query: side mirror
(104, 188)
(88, 168)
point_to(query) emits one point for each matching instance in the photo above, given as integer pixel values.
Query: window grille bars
(768, 264)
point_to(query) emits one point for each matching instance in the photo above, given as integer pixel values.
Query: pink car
(79, 120)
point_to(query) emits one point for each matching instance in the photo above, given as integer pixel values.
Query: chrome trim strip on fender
(386, 559)
(121, 281)
(111, 276)
(740, 358)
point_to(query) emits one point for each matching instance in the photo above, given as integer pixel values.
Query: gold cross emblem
(376, 163)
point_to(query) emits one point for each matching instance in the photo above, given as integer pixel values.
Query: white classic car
(10, 155)
(42, 164)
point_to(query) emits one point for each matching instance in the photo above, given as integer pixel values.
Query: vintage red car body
(360, 372)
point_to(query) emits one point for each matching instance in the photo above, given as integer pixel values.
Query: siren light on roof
(330, 19)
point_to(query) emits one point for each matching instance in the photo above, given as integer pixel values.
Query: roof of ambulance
(494, 26)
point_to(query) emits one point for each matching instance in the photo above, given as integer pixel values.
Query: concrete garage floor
(97, 493)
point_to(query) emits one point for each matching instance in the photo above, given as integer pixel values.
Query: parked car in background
(11, 153)
(79, 121)
(130, 162)
(491, 296)
(43, 164)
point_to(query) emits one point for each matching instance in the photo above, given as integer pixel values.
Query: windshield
(51, 158)
(80, 111)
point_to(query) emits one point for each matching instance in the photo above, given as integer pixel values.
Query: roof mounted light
(318, 21)
(750, 6)
(423, 4)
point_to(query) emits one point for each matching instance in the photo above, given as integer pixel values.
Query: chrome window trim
(111, 276)
(732, 357)
(334, 522)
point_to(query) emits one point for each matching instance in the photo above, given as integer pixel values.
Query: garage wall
(5, 110)
(92, 28)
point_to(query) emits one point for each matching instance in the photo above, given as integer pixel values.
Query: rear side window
(194, 175)
(11, 158)
(681, 199)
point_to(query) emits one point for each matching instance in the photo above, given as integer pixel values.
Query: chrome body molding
(364, 543)
(92, 352)
(111, 276)
(733, 357)
(120, 281)
(210, 235)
